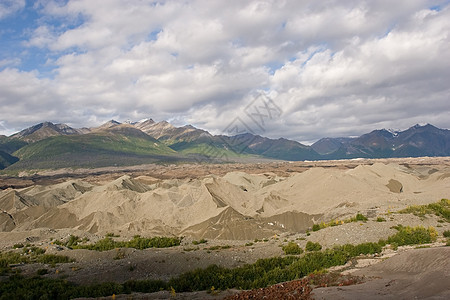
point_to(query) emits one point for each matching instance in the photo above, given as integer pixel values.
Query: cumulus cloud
(10, 7)
(334, 69)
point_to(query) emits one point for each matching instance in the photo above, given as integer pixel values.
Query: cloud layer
(334, 68)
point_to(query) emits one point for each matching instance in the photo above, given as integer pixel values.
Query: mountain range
(47, 145)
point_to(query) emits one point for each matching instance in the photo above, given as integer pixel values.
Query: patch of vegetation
(218, 247)
(191, 249)
(268, 271)
(202, 241)
(380, 219)
(53, 259)
(71, 242)
(421, 247)
(110, 234)
(249, 244)
(359, 217)
(446, 233)
(311, 246)
(137, 242)
(292, 249)
(440, 209)
(412, 235)
(29, 255)
(316, 227)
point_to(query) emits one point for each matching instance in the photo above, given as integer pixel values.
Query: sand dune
(234, 206)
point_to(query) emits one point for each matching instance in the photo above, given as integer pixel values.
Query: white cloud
(335, 68)
(10, 7)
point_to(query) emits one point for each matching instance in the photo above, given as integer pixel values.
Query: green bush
(292, 249)
(359, 217)
(137, 242)
(20, 245)
(440, 209)
(53, 259)
(413, 235)
(202, 241)
(380, 219)
(446, 233)
(33, 250)
(310, 246)
(316, 227)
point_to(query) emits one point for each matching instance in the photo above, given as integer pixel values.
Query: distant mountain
(278, 149)
(117, 145)
(326, 146)
(109, 124)
(164, 131)
(48, 145)
(426, 140)
(44, 130)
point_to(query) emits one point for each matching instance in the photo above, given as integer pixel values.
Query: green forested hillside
(92, 150)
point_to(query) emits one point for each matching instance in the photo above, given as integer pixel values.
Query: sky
(301, 70)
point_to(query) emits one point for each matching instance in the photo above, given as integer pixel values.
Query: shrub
(310, 246)
(316, 227)
(137, 242)
(73, 241)
(53, 259)
(292, 249)
(380, 219)
(20, 245)
(202, 241)
(33, 250)
(446, 233)
(359, 217)
(413, 235)
(440, 209)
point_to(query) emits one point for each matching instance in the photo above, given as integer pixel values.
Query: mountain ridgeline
(47, 145)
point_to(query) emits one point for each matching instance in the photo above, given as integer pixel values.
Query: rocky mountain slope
(426, 140)
(49, 145)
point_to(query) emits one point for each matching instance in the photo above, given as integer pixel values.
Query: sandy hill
(235, 206)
